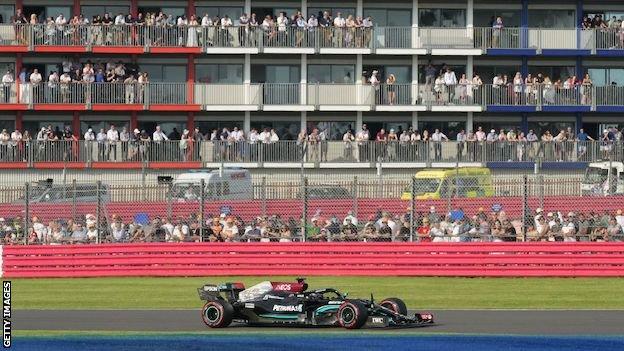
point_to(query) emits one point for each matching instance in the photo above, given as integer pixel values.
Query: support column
(359, 8)
(304, 121)
(190, 8)
(134, 9)
(415, 13)
(19, 120)
(469, 67)
(358, 79)
(134, 120)
(358, 122)
(415, 88)
(76, 124)
(304, 8)
(579, 121)
(469, 122)
(524, 24)
(190, 121)
(190, 81)
(470, 14)
(579, 19)
(247, 122)
(19, 61)
(76, 8)
(524, 68)
(524, 124)
(304, 80)
(415, 120)
(247, 7)
(579, 67)
(19, 5)
(247, 78)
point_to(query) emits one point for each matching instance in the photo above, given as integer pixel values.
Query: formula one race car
(291, 303)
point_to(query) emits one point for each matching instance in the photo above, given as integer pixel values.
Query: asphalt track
(497, 322)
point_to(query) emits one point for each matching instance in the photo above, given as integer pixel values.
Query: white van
(226, 184)
(603, 178)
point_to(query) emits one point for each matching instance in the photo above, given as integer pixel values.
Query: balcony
(292, 40)
(284, 154)
(309, 97)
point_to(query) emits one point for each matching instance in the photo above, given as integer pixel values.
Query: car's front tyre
(217, 314)
(394, 304)
(352, 314)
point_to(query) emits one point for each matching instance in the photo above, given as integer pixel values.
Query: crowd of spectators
(431, 226)
(161, 29)
(234, 145)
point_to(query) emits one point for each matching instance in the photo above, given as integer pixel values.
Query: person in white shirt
(89, 138)
(450, 80)
(206, 35)
(14, 150)
(253, 139)
(65, 81)
(7, 83)
(362, 138)
(339, 30)
(124, 138)
(265, 136)
(348, 140)
(101, 142)
(60, 21)
(312, 23)
(437, 137)
(35, 82)
(112, 137)
(158, 136)
(120, 20)
(130, 87)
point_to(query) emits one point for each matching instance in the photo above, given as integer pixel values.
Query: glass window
(97, 125)
(174, 11)
(554, 72)
(402, 73)
(231, 11)
(333, 11)
(336, 129)
(485, 17)
(232, 74)
(206, 127)
(91, 11)
(286, 130)
(440, 69)
(447, 18)
(540, 128)
(606, 76)
(7, 124)
(552, 18)
(390, 18)
(282, 74)
(487, 73)
(331, 74)
(54, 11)
(166, 126)
(6, 12)
(165, 73)
(35, 126)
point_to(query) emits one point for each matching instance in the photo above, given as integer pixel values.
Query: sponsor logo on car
(283, 287)
(334, 302)
(378, 320)
(211, 288)
(250, 305)
(288, 308)
(273, 297)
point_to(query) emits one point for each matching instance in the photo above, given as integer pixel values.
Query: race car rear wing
(211, 291)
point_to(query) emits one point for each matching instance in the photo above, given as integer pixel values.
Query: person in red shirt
(381, 143)
(423, 231)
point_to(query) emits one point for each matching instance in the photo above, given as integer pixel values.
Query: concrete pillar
(470, 14)
(469, 122)
(415, 120)
(469, 67)
(359, 8)
(247, 7)
(304, 120)
(247, 122)
(358, 79)
(304, 80)
(358, 121)
(304, 8)
(415, 13)
(416, 98)
(247, 78)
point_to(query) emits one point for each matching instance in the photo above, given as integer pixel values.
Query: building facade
(291, 78)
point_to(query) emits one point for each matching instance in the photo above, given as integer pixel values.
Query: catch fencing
(448, 205)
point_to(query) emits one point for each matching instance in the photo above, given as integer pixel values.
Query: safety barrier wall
(346, 259)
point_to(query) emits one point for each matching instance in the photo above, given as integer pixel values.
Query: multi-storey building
(293, 78)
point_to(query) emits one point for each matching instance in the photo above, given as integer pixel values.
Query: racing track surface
(573, 322)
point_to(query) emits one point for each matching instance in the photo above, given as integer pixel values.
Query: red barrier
(346, 259)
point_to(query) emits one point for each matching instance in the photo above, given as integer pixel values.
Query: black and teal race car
(292, 304)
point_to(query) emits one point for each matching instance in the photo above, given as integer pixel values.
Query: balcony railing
(312, 94)
(316, 38)
(370, 152)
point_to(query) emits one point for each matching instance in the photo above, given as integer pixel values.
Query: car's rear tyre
(217, 314)
(395, 304)
(352, 314)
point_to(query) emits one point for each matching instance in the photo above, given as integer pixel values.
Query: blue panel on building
(565, 52)
(566, 109)
(510, 165)
(511, 52)
(610, 108)
(508, 108)
(610, 53)
(564, 165)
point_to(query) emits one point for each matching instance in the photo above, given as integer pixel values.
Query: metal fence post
(263, 195)
(26, 211)
(540, 179)
(412, 209)
(304, 217)
(201, 209)
(169, 201)
(74, 199)
(98, 211)
(355, 196)
(525, 206)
